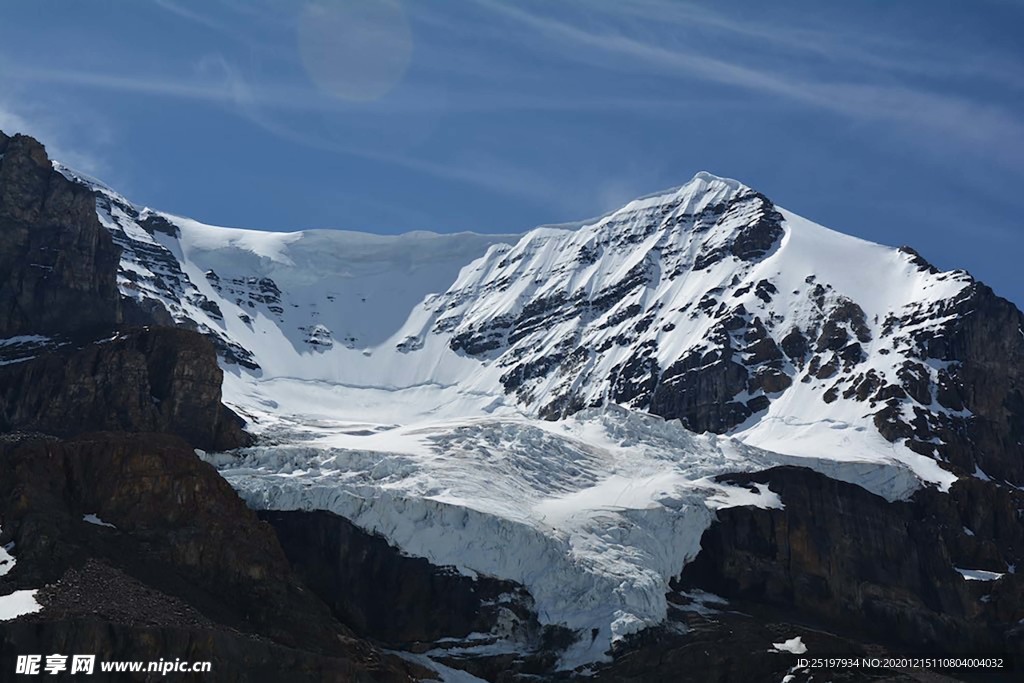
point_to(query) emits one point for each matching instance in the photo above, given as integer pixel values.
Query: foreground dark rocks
(146, 380)
(847, 561)
(186, 571)
(388, 596)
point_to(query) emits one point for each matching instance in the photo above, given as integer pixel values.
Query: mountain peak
(703, 190)
(702, 182)
(710, 178)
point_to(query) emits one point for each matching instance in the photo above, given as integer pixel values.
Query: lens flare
(356, 50)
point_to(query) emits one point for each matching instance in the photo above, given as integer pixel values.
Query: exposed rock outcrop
(58, 265)
(982, 384)
(58, 281)
(148, 380)
(388, 596)
(409, 604)
(839, 555)
(185, 570)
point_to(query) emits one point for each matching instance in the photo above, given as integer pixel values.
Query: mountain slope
(706, 303)
(523, 408)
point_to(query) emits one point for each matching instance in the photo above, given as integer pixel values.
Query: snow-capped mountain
(705, 303)
(552, 408)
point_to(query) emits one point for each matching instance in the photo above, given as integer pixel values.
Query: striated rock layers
(58, 265)
(838, 555)
(185, 570)
(147, 380)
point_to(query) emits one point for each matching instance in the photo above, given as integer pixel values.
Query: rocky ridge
(71, 360)
(59, 264)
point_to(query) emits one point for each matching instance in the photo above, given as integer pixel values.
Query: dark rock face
(59, 269)
(58, 265)
(761, 230)
(409, 604)
(150, 380)
(235, 658)
(727, 646)
(186, 571)
(843, 557)
(250, 291)
(699, 389)
(388, 596)
(984, 344)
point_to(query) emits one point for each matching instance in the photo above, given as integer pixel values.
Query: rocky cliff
(390, 597)
(891, 572)
(980, 351)
(68, 362)
(58, 264)
(172, 565)
(140, 380)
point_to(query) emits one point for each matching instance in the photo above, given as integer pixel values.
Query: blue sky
(901, 122)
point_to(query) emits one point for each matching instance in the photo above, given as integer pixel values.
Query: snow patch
(18, 604)
(979, 574)
(93, 519)
(793, 646)
(738, 496)
(446, 673)
(7, 560)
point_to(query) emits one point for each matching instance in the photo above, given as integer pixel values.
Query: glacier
(375, 372)
(594, 514)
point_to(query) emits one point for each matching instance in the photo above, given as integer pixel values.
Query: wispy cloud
(963, 118)
(149, 84)
(208, 84)
(220, 83)
(192, 16)
(553, 62)
(476, 170)
(832, 43)
(62, 142)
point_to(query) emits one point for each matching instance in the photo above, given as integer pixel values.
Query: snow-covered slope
(537, 407)
(593, 514)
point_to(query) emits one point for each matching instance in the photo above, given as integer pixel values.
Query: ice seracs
(593, 514)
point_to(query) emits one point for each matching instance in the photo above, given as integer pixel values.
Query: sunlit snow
(793, 646)
(979, 574)
(17, 604)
